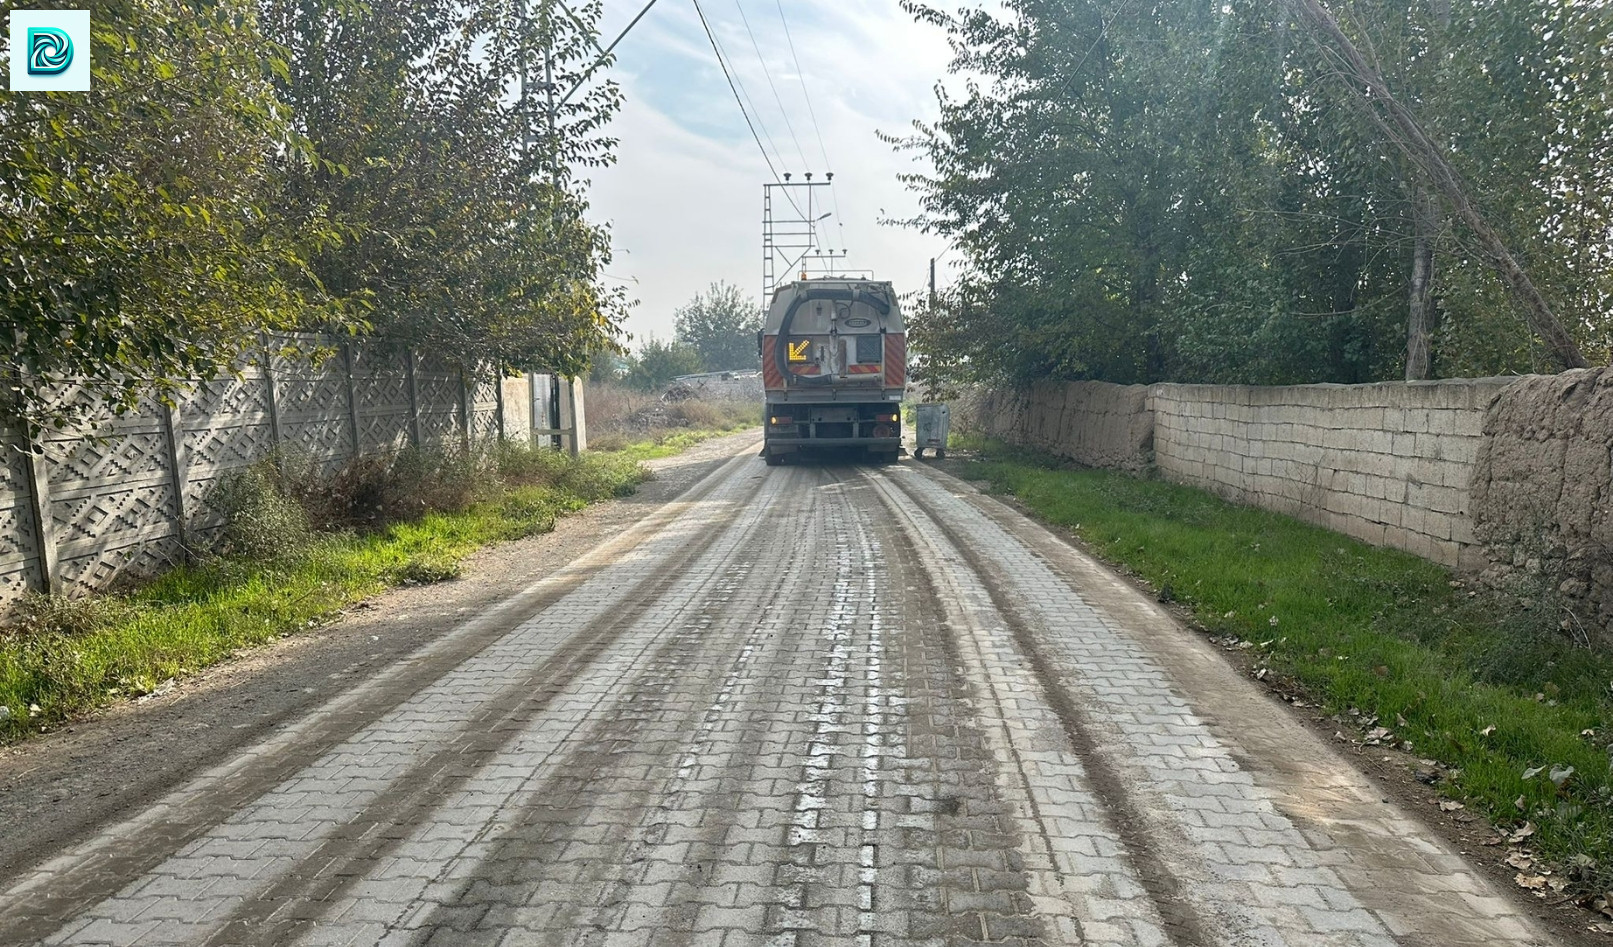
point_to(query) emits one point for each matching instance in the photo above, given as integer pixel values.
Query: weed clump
(38, 617)
(262, 518)
(423, 570)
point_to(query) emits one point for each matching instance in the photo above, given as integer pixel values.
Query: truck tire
(918, 453)
(940, 453)
(773, 460)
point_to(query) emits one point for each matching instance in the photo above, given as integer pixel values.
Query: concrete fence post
(533, 408)
(37, 474)
(175, 457)
(576, 423)
(352, 400)
(498, 401)
(464, 413)
(273, 400)
(414, 399)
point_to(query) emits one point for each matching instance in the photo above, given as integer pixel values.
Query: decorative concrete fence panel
(126, 495)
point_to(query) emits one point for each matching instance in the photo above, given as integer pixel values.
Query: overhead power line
(800, 74)
(722, 62)
(768, 74)
(817, 129)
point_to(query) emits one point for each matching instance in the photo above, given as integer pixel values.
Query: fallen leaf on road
(1450, 805)
(1487, 730)
(1533, 771)
(1527, 830)
(1532, 882)
(1560, 775)
(1520, 861)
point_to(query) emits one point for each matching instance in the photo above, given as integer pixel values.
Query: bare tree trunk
(1420, 319)
(1405, 133)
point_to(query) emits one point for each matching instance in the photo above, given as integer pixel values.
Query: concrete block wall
(1091, 423)
(1508, 478)
(1386, 463)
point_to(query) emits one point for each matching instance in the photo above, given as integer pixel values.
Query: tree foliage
(1193, 190)
(241, 168)
(465, 231)
(721, 325)
(657, 363)
(140, 242)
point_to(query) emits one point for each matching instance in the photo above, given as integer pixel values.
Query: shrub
(372, 491)
(261, 520)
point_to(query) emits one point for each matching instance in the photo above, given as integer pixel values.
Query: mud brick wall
(1542, 494)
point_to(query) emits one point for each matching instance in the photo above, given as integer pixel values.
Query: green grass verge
(676, 441)
(1494, 691)
(77, 655)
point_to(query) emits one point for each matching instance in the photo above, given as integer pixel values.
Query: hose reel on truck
(819, 294)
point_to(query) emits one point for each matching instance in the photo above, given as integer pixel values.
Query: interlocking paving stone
(809, 705)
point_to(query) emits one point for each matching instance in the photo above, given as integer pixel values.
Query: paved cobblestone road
(796, 706)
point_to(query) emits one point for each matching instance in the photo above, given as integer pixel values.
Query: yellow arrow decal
(798, 350)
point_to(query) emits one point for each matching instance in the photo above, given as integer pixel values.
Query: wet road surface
(798, 705)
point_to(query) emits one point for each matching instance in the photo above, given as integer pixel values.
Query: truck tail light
(781, 420)
(884, 417)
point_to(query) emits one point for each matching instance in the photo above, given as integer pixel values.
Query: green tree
(658, 362)
(464, 230)
(721, 325)
(141, 244)
(1188, 191)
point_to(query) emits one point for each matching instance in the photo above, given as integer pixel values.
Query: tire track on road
(1070, 823)
(63, 888)
(325, 876)
(1214, 852)
(606, 783)
(1298, 830)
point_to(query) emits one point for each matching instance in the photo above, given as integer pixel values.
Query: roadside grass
(60, 657)
(678, 426)
(1518, 713)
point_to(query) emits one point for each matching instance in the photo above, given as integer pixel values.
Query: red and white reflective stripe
(771, 379)
(895, 360)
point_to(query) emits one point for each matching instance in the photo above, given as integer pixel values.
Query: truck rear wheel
(773, 460)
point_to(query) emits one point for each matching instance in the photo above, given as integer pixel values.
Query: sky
(684, 200)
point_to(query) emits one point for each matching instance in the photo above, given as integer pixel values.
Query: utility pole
(932, 284)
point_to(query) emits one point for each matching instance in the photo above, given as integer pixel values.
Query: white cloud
(684, 200)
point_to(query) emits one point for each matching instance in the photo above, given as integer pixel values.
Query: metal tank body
(834, 365)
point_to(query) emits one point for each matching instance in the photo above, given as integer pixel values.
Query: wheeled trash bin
(934, 419)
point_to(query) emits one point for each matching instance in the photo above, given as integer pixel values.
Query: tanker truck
(834, 365)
